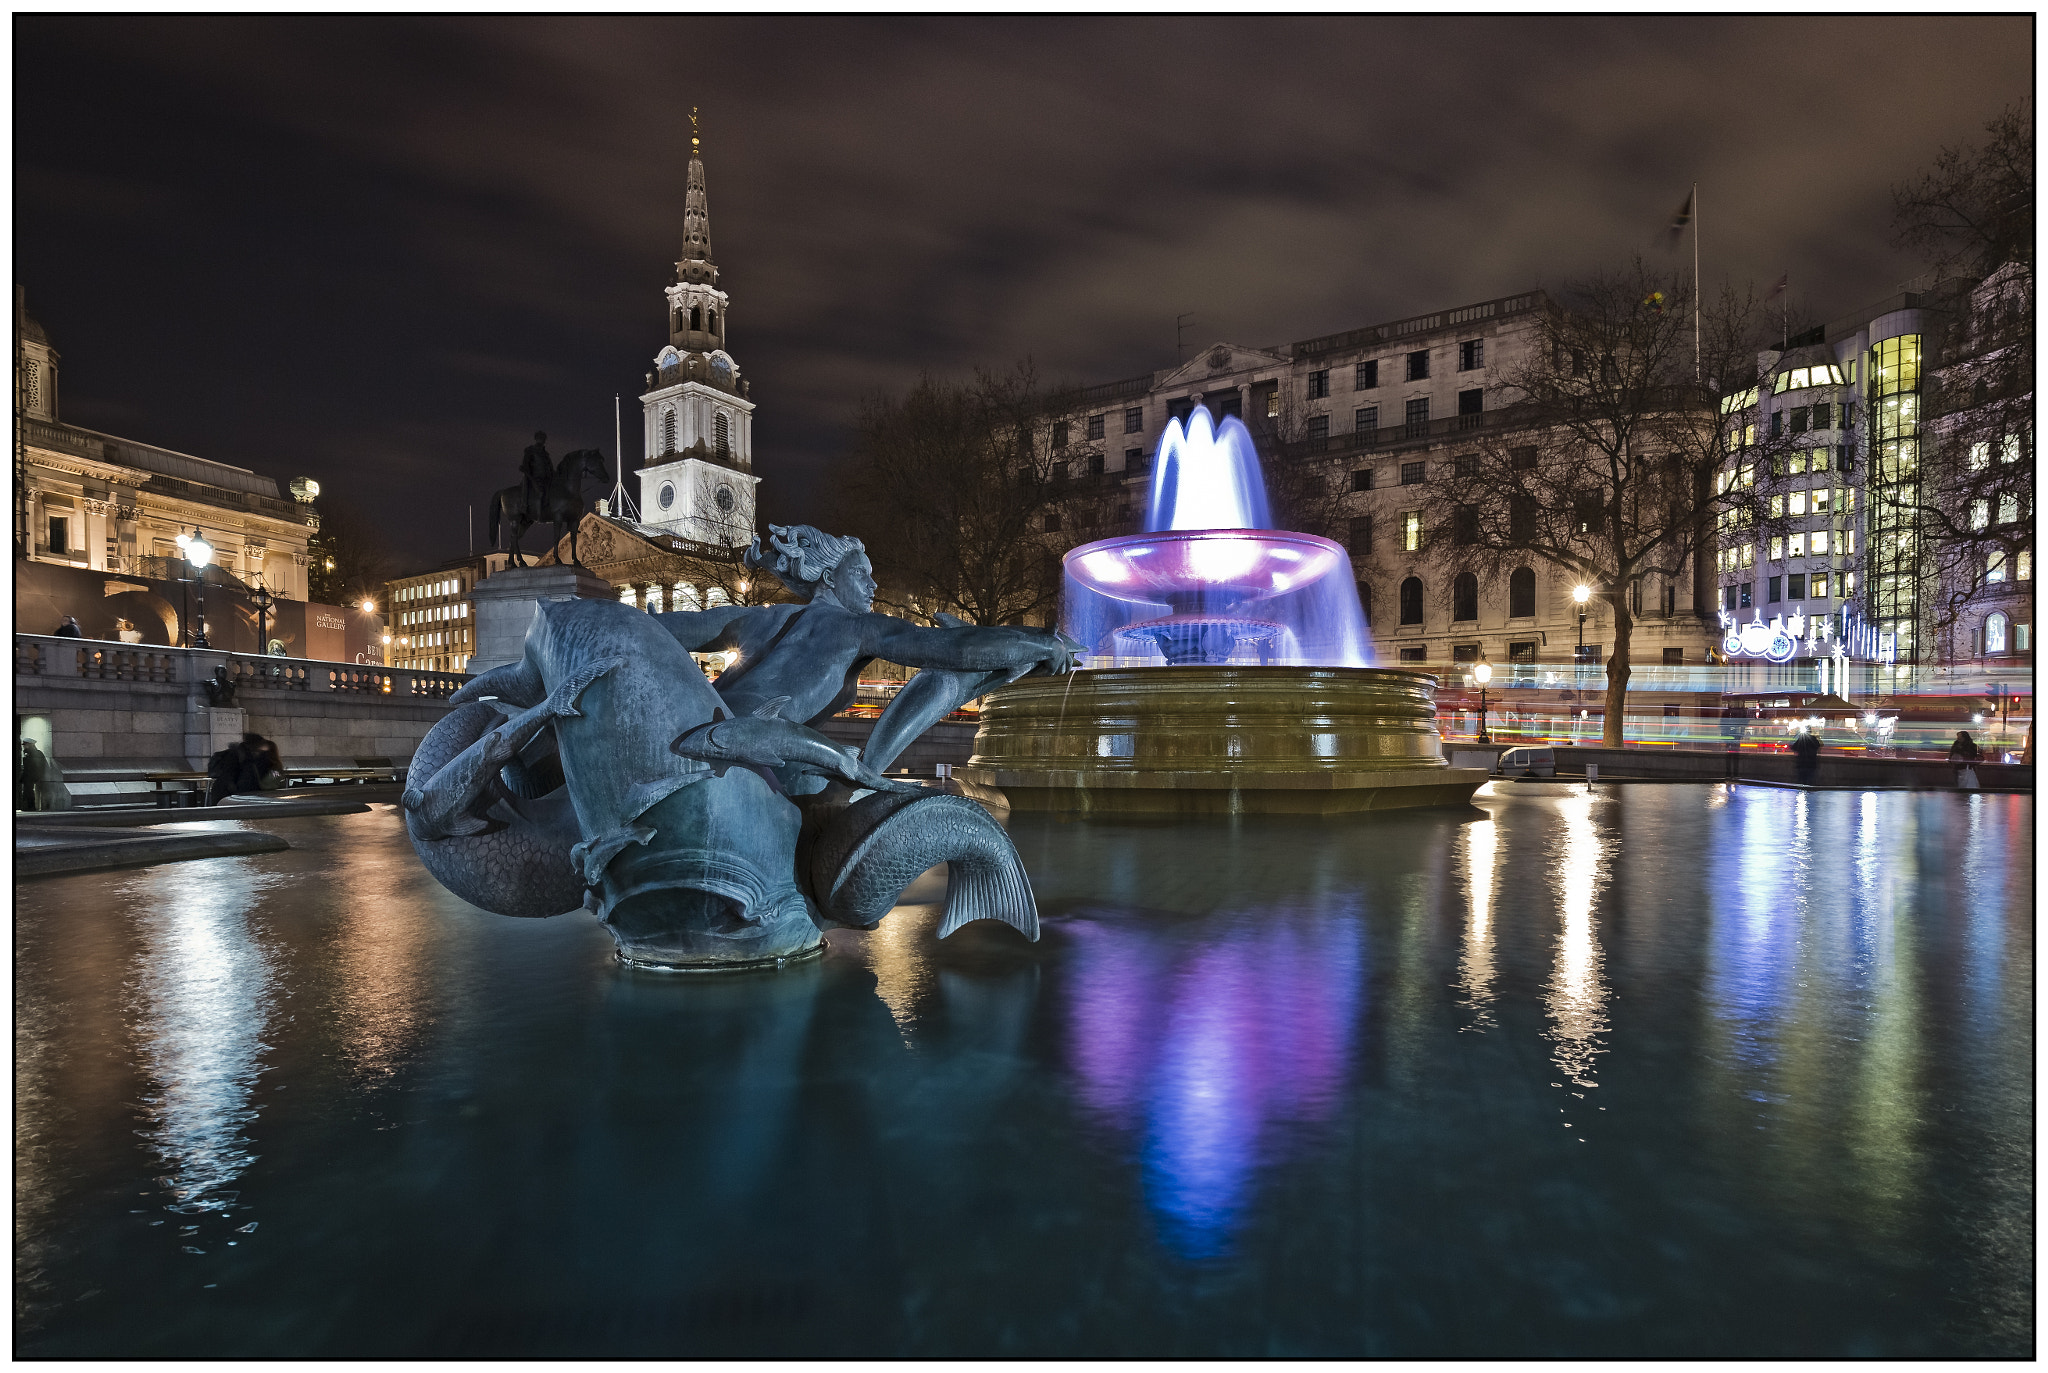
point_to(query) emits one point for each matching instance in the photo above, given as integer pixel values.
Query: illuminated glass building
(1864, 434)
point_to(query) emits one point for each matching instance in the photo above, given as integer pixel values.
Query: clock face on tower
(721, 371)
(667, 497)
(726, 500)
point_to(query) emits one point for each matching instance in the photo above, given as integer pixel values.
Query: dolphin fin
(593, 856)
(951, 621)
(562, 700)
(463, 825)
(771, 709)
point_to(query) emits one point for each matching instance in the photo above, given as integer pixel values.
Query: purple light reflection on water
(1209, 1052)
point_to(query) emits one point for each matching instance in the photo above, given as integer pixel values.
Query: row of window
(434, 613)
(1802, 418)
(423, 591)
(1471, 357)
(439, 638)
(1994, 637)
(1464, 597)
(1792, 586)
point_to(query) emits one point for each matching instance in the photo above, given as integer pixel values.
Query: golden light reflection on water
(383, 989)
(1475, 960)
(1576, 996)
(896, 954)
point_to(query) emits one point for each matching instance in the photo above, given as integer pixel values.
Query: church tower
(697, 478)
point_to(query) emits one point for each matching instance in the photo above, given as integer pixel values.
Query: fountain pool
(1658, 1072)
(1226, 668)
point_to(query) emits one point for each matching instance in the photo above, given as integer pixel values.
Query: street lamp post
(260, 597)
(1482, 673)
(198, 553)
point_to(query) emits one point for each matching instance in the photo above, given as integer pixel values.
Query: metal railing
(53, 659)
(1419, 324)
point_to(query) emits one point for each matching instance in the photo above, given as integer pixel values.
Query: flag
(1679, 220)
(1779, 289)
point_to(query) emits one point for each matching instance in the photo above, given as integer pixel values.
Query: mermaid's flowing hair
(801, 557)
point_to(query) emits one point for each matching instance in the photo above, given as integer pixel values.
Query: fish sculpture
(602, 770)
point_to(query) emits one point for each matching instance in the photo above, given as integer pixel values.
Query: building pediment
(622, 551)
(1217, 361)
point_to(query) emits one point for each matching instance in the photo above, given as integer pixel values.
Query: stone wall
(110, 712)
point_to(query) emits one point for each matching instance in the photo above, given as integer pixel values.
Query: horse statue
(548, 493)
(706, 829)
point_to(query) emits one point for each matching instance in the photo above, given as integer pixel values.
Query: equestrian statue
(547, 493)
(713, 826)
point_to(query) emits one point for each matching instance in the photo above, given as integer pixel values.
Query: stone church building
(671, 537)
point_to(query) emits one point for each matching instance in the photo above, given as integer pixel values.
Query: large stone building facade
(113, 515)
(1372, 415)
(109, 504)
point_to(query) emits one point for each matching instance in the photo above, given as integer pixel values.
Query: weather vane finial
(693, 128)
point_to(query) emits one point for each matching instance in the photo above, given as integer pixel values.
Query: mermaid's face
(853, 583)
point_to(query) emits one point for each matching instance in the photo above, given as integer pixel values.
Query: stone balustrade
(110, 712)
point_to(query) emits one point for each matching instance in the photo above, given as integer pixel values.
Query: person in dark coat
(69, 629)
(1963, 755)
(238, 769)
(1806, 752)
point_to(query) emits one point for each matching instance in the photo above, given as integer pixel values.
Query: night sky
(380, 252)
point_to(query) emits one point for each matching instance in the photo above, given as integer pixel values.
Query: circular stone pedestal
(1217, 741)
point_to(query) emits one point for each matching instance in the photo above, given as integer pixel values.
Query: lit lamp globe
(1582, 593)
(1482, 673)
(198, 553)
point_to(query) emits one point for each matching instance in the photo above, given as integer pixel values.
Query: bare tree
(1305, 488)
(348, 560)
(1629, 466)
(951, 491)
(1964, 502)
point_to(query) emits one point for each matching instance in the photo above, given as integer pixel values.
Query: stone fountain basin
(1232, 565)
(1199, 740)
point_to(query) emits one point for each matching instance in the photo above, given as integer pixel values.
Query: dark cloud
(381, 251)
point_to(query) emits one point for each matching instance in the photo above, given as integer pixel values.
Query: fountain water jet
(1227, 668)
(1209, 581)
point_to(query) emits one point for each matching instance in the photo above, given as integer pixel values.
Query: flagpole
(1696, 287)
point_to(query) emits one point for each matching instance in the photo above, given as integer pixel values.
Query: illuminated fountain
(1226, 667)
(1209, 581)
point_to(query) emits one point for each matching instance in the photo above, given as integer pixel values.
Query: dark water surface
(1664, 1070)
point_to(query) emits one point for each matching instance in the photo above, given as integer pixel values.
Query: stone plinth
(209, 729)
(1217, 740)
(505, 604)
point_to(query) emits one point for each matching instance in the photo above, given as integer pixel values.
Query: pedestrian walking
(1962, 756)
(1806, 756)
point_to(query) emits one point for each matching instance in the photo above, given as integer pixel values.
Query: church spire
(696, 212)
